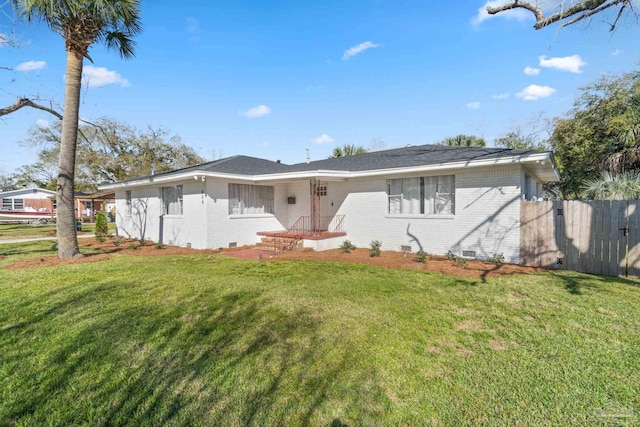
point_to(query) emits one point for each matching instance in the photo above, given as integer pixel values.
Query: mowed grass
(210, 340)
(23, 231)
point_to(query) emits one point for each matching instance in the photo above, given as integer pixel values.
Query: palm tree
(81, 23)
(614, 186)
(463, 141)
(347, 150)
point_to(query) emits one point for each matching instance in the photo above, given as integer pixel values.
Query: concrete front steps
(278, 244)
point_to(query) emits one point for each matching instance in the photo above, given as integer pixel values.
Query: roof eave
(338, 175)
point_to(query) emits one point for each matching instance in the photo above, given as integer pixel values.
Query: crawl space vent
(233, 244)
(469, 254)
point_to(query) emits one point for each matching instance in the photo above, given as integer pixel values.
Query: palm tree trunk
(67, 237)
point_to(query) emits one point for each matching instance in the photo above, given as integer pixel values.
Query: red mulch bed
(387, 259)
(401, 260)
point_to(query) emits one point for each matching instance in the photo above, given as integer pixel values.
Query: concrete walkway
(35, 239)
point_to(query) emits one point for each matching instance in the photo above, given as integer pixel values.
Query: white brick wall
(486, 220)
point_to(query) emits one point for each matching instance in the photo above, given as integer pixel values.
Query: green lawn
(210, 340)
(23, 231)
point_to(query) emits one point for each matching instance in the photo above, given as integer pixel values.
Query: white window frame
(12, 205)
(127, 201)
(422, 206)
(172, 196)
(260, 200)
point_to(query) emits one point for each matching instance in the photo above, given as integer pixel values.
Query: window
(245, 199)
(432, 195)
(172, 200)
(127, 201)
(12, 204)
(321, 190)
(526, 191)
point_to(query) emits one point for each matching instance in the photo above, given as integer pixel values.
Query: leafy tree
(109, 151)
(568, 15)
(463, 141)
(614, 186)
(526, 136)
(600, 133)
(347, 150)
(81, 23)
(7, 183)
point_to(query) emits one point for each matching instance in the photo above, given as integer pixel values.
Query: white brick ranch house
(432, 198)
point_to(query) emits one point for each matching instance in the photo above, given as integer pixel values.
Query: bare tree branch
(584, 9)
(26, 102)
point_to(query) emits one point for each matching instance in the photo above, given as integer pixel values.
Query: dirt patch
(401, 260)
(387, 259)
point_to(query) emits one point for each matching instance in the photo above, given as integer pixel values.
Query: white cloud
(473, 105)
(531, 71)
(617, 52)
(323, 139)
(353, 51)
(43, 124)
(256, 112)
(501, 96)
(572, 64)
(535, 92)
(31, 65)
(100, 76)
(513, 14)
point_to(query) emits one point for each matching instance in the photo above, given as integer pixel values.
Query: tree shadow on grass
(210, 359)
(575, 283)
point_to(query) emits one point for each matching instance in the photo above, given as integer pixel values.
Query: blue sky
(269, 79)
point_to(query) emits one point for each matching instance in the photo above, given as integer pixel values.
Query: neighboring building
(27, 199)
(430, 197)
(87, 205)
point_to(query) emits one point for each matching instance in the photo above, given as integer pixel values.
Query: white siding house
(430, 198)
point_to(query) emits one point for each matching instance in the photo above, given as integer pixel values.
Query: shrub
(461, 262)
(496, 258)
(102, 227)
(421, 257)
(134, 246)
(451, 256)
(346, 246)
(143, 242)
(117, 241)
(100, 238)
(159, 245)
(375, 248)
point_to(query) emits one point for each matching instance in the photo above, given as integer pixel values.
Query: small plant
(159, 245)
(102, 227)
(143, 242)
(451, 256)
(421, 257)
(496, 258)
(134, 246)
(117, 241)
(461, 262)
(375, 248)
(100, 239)
(346, 246)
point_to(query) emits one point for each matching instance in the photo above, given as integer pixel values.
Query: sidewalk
(35, 239)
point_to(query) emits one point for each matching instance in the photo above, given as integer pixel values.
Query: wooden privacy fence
(595, 237)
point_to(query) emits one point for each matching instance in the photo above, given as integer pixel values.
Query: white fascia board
(335, 175)
(25, 191)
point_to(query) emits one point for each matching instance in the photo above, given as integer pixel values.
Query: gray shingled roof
(407, 157)
(384, 159)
